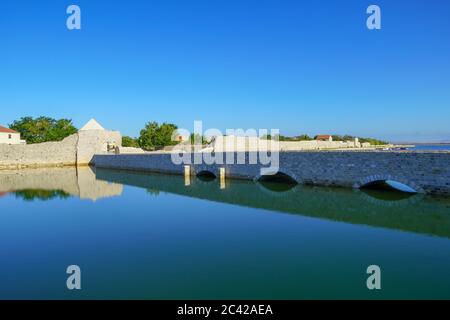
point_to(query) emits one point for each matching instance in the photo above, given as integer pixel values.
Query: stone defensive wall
(252, 144)
(77, 149)
(62, 153)
(425, 172)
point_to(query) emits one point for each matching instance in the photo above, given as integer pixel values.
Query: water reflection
(39, 194)
(388, 195)
(277, 186)
(61, 183)
(416, 213)
(206, 176)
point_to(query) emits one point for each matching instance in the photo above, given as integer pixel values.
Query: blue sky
(300, 66)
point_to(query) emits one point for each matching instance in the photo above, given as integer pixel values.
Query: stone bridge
(425, 172)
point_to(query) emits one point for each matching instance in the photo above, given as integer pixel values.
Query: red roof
(323, 136)
(7, 130)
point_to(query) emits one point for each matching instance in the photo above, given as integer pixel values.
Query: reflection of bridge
(80, 182)
(418, 213)
(425, 172)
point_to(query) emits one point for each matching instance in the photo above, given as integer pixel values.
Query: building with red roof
(9, 136)
(324, 137)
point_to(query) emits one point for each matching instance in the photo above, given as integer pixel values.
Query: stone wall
(154, 162)
(318, 145)
(129, 150)
(62, 153)
(251, 144)
(77, 149)
(425, 172)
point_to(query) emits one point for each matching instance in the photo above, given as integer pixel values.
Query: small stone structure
(77, 149)
(128, 150)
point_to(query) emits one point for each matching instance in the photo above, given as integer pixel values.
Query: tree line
(153, 136)
(43, 129)
(305, 137)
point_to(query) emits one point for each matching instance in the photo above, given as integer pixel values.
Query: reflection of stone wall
(90, 188)
(77, 149)
(80, 182)
(422, 214)
(64, 179)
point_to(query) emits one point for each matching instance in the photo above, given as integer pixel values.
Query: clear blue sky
(300, 66)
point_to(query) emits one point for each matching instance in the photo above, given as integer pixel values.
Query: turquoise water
(149, 236)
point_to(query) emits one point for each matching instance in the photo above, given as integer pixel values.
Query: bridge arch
(279, 176)
(205, 171)
(406, 185)
(206, 174)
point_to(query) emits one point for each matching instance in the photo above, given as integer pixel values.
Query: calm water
(440, 147)
(154, 237)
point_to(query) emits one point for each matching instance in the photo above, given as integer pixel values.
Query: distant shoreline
(424, 143)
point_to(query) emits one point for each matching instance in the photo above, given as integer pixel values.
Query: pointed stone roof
(92, 125)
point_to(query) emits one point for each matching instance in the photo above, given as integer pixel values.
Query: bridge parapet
(425, 172)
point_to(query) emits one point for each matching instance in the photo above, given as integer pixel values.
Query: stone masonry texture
(426, 172)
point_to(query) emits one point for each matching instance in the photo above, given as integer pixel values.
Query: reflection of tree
(153, 192)
(44, 195)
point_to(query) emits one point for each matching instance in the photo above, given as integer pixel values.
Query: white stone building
(9, 136)
(94, 139)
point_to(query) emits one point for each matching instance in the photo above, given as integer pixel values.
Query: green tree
(130, 142)
(303, 137)
(43, 129)
(196, 138)
(347, 137)
(155, 136)
(61, 129)
(166, 131)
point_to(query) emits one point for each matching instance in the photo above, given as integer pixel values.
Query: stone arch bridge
(425, 172)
